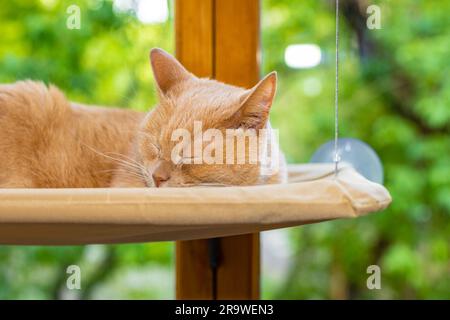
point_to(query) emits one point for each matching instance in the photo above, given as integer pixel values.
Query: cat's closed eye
(149, 149)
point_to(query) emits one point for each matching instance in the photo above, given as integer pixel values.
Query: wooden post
(219, 39)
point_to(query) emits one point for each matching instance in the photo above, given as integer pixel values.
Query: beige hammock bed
(88, 216)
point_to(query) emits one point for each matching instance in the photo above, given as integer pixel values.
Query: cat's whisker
(121, 161)
(129, 173)
(126, 163)
(132, 171)
(212, 184)
(128, 168)
(152, 143)
(130, 159)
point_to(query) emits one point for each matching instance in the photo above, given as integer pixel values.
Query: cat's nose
(161, 174)
(158, 179)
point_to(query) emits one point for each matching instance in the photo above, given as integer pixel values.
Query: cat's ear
(255, 106)
(167, 70)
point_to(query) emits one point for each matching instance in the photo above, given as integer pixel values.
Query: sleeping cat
(48, 142)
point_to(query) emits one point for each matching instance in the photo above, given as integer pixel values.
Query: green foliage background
(397, 100)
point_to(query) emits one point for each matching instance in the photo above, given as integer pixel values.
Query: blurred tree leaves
(410, 241)
(105, 62)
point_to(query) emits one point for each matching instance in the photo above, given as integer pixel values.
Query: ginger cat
(48, 142)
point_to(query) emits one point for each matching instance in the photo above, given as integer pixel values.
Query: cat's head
(171, 138)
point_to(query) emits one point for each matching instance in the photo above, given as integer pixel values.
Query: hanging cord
(336, 95)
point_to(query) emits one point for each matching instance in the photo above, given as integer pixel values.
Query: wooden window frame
(219, 39)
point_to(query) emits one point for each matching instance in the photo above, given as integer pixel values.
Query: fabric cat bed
(87, 216)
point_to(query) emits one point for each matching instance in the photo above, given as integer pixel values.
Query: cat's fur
(48, 142)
